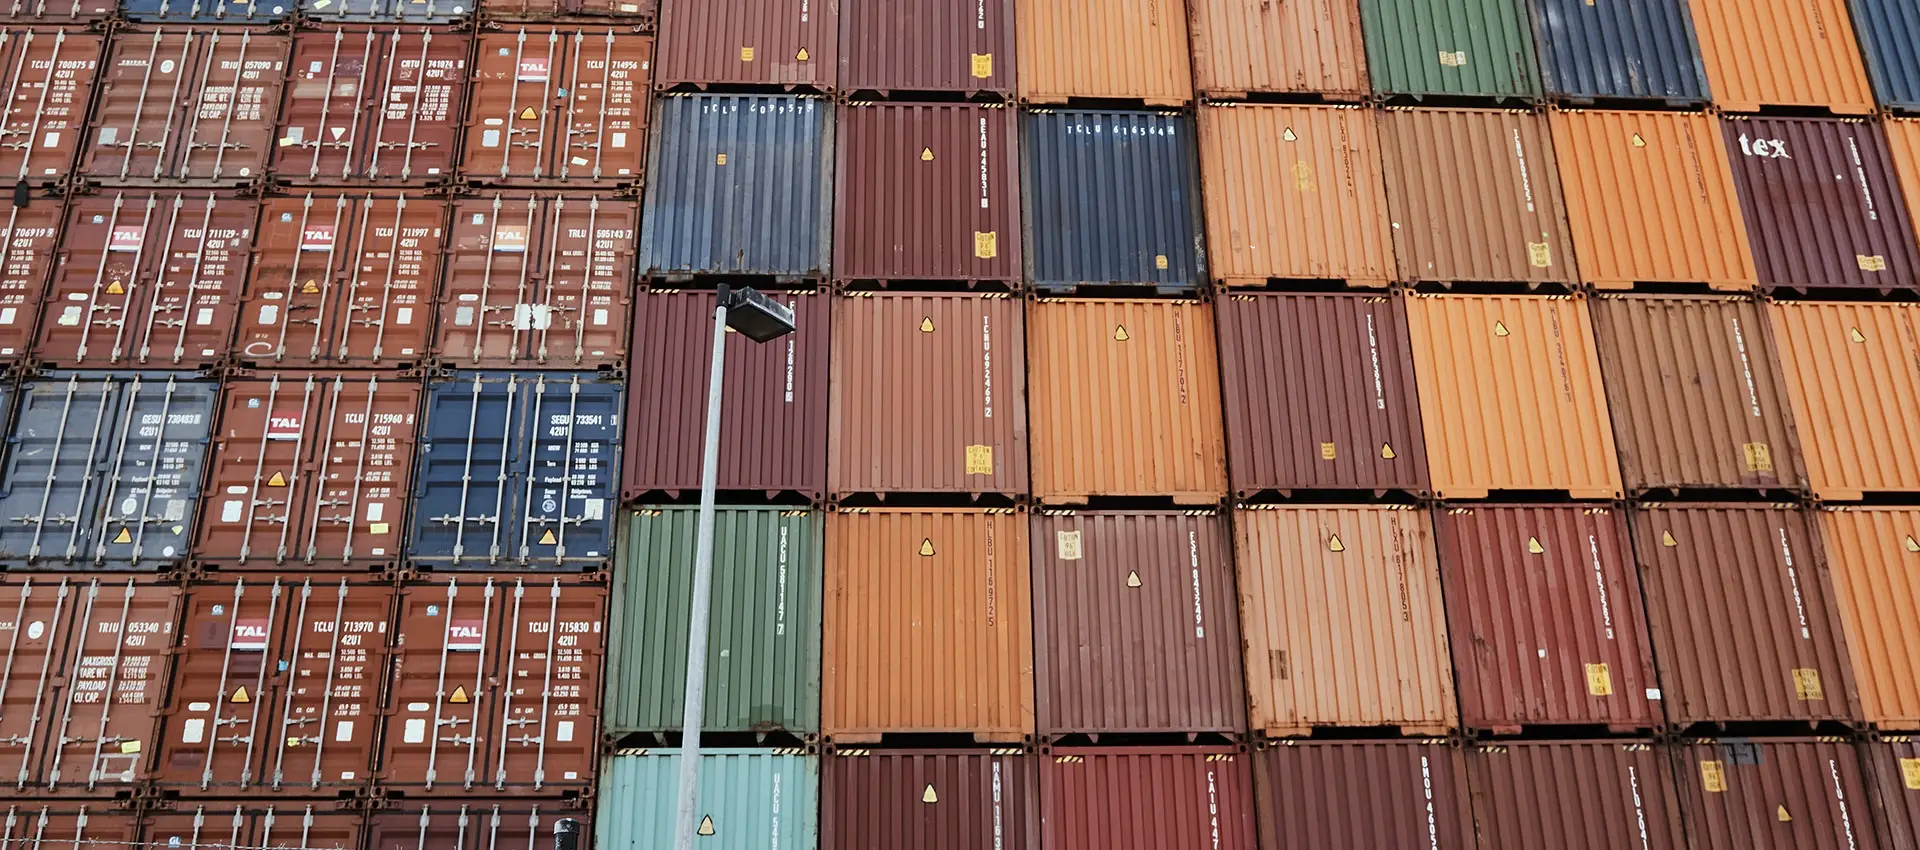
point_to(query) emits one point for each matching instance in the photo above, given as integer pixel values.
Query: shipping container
(929, 621)
(1111, 198)
(1781, 53)
(932, 799)
(500, 676)
(929, 395)
(69, 824)
(103, 470)
(1893, 763)
(889, 46)
(773, 419)
(1319, 394)
(509, 824)
(374, 104)
(1903, 147)
(187, 105)
(763, 647)
(1125, 401)
(740, 185)
(1133, 50)
(1742, 614)
(1823, 204)
(261, 12)
(27, 256)
(1650, 199)
(1871, 554)
(226, 825)
(1341, 613)
(766, 798)
(1856, 394)
(1135, 626)
(518, 470)
(560, 106)
(1244, 47)
(632, 13)
(1887, 30)
(1761, 794)
(1642, 49)
(1294, 192)
(1576, 795)
(1472, 48)
(1697, 395)
(789, 43)
(386, 12)
(48, 74)
(1362, 795)
(927, 192)
(1172, 797)
(1474, 196)
(1511, 396)
(58, 12)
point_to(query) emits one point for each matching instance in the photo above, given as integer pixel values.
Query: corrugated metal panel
(1696, 393)
(565, 106)
(1511, 396)
(1873, 555)
(1856, 393)
(928, 624)
(1575, 795)
(1769, 793)
(1319, 394)
(1903, 147)
(1544, 612)
(739, 185)
(1781, 53)
(1650, 198)
(1105, 797)
(58, 12)
(330, 825)
(927, 192)
(1450, 47)
(50, 73)
(1341, 614)
(1110, 198)
(929, 395)
(763, 650)
(1362, 795)
(1742, 614)
(1126, 401)
(506, 825)
(1887, 30)
(207, 11)
(1242, 47)
(28, 256)
(932, 799)
(1894, 763)
(386, 12)
(1294, 192)
(394, 97)
(1822, 203)
(927, 45)
(636, 13)
(1135, 624)
(766, 799)
(187, 105)
(1638, 49)
(745, 42)
(50, 826)
(773, 421)
(1131, 49)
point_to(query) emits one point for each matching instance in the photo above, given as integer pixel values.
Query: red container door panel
(104, 706)
(559, 105)
(232, 826)
(219, 714)
(67, 826)
(40, 613)
(372, 105)
(31, 233)
(187, 105)
(49, 77)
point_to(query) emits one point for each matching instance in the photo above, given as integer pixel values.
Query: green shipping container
(760, 799)
(1450, 47)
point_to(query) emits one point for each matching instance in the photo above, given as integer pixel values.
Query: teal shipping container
(760, 799)
(1461, 48)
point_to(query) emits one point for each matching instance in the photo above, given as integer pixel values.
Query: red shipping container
(48, 74)
(1894, 762)
(31, 236)
(1362, 795)
(68, 825)
(745, 42)
(637, 13)
(193, 105)
(1574, 795)
(372, 105)
(1776, 794)
(930, 799)
(520, 824)
(225, 825)
(565, 106)
(1160, 797)
(892, 46)
(58, 11)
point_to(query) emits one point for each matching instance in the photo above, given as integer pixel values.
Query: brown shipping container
(637, 13)
(1127, 49)
(1294, 192)
(1873, 557)
(1126, 401)
(1574, 795)
(926, 45)
(930, 799)
(224, 825)
(495, 688)
(187, 105)
(506, 824)
(1241, 47)
(744, 42)
(538, 281)
(1162, 797)
(1511, 396)
(928, 625)
(773, 425)
(1696, 394)
(1650, 199)
(1763, 794)
(1135, 623)
(69, 824)
(1474, 196)
(1781, 53)
(343, 279)
(929, 395)
(1856, 394)
(1341, 614)
(1741, 610)
(27, 257)
(1362, 795)
(48, 75)
(1894, 765)
(58, 12)
(927, 192)
(559, 106)
(372, 105)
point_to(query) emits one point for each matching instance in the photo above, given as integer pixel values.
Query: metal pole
(696, 702)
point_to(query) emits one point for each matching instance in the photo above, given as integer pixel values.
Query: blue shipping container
(518, 470)
(1111, 198)
(1619, 49)
(738, 185)
(207, 11)
(386, 11)
(766, 799)
(1889, 32)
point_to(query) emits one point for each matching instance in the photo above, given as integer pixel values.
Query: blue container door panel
(462, 492)
(572, 473)
(50, 469)
(151, 479)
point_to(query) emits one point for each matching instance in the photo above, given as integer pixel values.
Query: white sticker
(416, 731)
(204, 316)
(343, 732)
(200, 706)
(193, 731)
(52, 140)
(375, 510)
(532, 317)
(619, 139)
(596, 509)
(269, 314)
(7, 315)
(69, 316)
(109, 135)
(419, 706)
(463, 316)
(230, 510)
(403, 316)
(563, 731)
(599, 316)
(1653, 693)
(489, 138)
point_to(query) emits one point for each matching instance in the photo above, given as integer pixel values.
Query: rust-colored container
(913, 598)
(58, 12)
(27, 255)
(1110, 49)
(1741, 610)
(929, 395)
(927, 192)
(147, 279)
(49, 75)
(1873, 557)
(1856, 395)
(187, 105)
(69, 824)
(1577, 795)
(933, 799)
(1474, 196)
(744, 42)
(1294, 192)
(773, 424)
(512, 662)
(1650, 199)
(1903, 147)
(1511, 396)
(637, 13)
(1101, 797)
(1362, 795)
(1135, 623)
(1696, 393)
(330, 825)
(890, 46)
(1767, 793)
(538, 281)
(500, 824)
(1781, 53)
(559, 106)
(372, 105)
(1341, 615)
(1125, 397)
(1243, 47)
(1893, 763)
(343, 279)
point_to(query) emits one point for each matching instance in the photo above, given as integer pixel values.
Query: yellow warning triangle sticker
(1639, 142)
(1912, 544)
(1856, 335)
(1288, 134)
(1781, 814)
(528, 114)
(926, 154)
(926, 325)
(706, 825)
(1666, 539)
(1334, 544)
(115, 288)
(802, 55)
(277, 480)
(241, 695)
(1386, 451)
(124, 537)
(926, 548)
(1533, 545)
(310, 288)
(928, 796)
(1120, 333)
(1500, 329)
(548, 539)
(1133, 578)
(459, 695)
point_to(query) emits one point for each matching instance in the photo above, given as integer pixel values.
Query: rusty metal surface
(637, 13)
(48, 75)
(559, 106)
(1781, 53)
(1243, 47)
(58, 12)
(1129, 49)
(742, 42)
(1856, 395)
(187, 106)
(372, 105)
(1761, 794)
(1362, 795)
(1894, 765)
(230, 825)
(1576, 795)
(27, 259)
(68, 824)
(1173, 797)
(503, 824)
(1871, 556)
(932, 799)
(927, 45)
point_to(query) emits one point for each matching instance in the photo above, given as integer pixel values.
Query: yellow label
(982, 65)
(1500, 329)
(240, 695)
(528, 114)
(1334, 544)
(746, 54)
(548, 539)
(1912, 544)
(310, 288)
(1302, 176)
(129, 747)
(1160, 262)
(706, 825)
(1534, 547)
(929, 796)
(719, 159)
(1639, 142)
(926, 325)
(1855, 335)
(123, 537)
(1871, 262)
(1599, 680)
(1713, 775)
(1666, 539)
(115, 288)
(1386, 451)
(979, 460)
(1120, 333)
(802, 56)
(1539, 254)
(986, 245)
(285, 141)
(1133, 578)
(459, 696)
(277, 480)
(378, 528)
(1454, 58)
(1066, 545)
(1806, 684)
(1759, 456)
(926, 548)
(926, 154)
(1910, 773)
(1780, 814)
(1327, 451)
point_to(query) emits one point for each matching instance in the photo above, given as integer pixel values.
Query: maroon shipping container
(1319, 394)
(1773, 794)
(927, 192)
(1894, 764)
(1545, 619)
(735, 42)
(628, 12)
(522, 824)
(1574, 795)
(495, 687)
(1171, 797)
(147, 279)
(1136, 623)
(68, 825)
(890, 46)
(187, 105)
(1823, 204)
(560, 106)
(227, 825)
(538, 281)
(372, 105)
(48, 76)
(773, 427)
(930, 800)
(32, 234)
(57, 12)
(1362, 795)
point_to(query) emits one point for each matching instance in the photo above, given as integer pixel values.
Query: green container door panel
(1450, 47)
(749, 800)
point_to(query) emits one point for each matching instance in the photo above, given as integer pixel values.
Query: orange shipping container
(1856, 394)
(1510, 396)
(1873, 556)
(1294, 192)
(1341, 615)
(1246, 46)
(1125, 400)
(1132, 49)
(1903, 145)
(1781, 53)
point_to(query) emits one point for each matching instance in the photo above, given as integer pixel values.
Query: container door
(218, 715)
(334, 659)
(521, 826)
(489, 304)
(30, 234)
(108, 704)
(602, 133)
(550, 687)
(303, 254)
(397, 245)
(68, 825)
(150, 472)
(386, 11)
(49, 77)
(443, 698)
(572, 473)
(142, 103)
(49, 485)
(372, 105)
(518, 78)
(577, 317)
(355, 501)
(462, 494)
(39, 620)
(233, 106)
(260, 475)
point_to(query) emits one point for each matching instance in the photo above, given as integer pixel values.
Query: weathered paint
(927, 45)
(1576, 795)
(1781, 53)
(1111, 198)
(1773, 794)
(930, 799)
(1856, 395)
(1129, 49)
(1450, 47)
(1618, 49)
(1873, 556)
(1242, 47)
(1173, 797)
(1362, 795)
(766, 799)
(788, 43)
